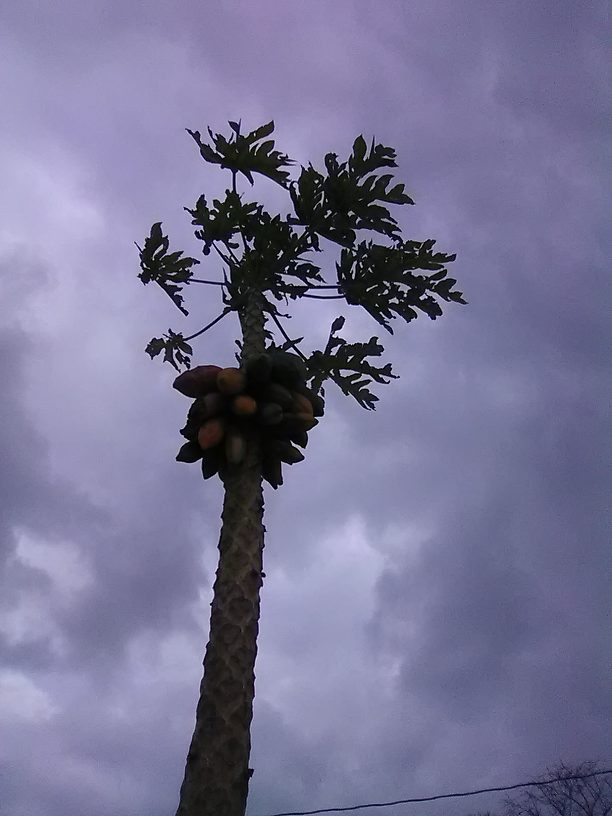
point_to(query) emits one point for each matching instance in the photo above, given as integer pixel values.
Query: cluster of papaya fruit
(268, 396)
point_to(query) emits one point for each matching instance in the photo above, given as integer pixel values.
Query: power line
(439, 796)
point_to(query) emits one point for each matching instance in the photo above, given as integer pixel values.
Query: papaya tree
(247, 421)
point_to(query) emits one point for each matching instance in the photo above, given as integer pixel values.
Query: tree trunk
(217, 771)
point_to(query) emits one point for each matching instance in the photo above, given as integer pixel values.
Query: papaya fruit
(197, 381)
(258, 369)
(197, 411)
(288, 369)
(190, 452)
(317, 401)
(269, 413)
(297, 422)
(190, 431)
(235, 446)
(213, 403)
(285, 451)
(211, 433)
(243, 405)
(275, 392)
(212, 463)
(231, 381)
(301, 404)
(205, 407)
(298, 438)
(272, 471)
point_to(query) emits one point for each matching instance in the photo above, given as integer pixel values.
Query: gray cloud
(436, 609)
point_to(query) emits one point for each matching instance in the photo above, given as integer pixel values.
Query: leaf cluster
(270, 254)
(245, 154)
(346, 364)
(168, 269)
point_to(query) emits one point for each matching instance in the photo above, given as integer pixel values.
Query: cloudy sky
(437, 612)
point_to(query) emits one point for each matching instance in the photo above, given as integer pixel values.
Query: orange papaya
(197, 381)
(231, 381)
(301, 404)
(317, 401)
(244, 405)
(211, 433)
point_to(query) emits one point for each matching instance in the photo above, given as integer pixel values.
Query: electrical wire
(439, 796)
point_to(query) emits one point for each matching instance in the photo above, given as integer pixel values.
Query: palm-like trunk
(217, 770)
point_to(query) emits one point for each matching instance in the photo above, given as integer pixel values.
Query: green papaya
(258, 369)
(190, 452)
(190, 431)
(275, 392)
(299, 438)
(205, 407)
(288, 369)
(272, 471)
(197, 381)
(297, 422)
(213, 462)
(285, 451)
(269, 413)
(213, 404)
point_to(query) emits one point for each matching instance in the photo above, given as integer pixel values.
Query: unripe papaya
(231, 381)
(235, 446)
(299, 438)
(275, 392)
(298, 422)
(258, 369)
(212, 462)
(243, 405)
(269, 413)
(190, 431)
(285, 451)
(211, 433)
(214, 403)
(301, 404)
(288, 369)
(190, 452)
(197, 381)
(272, 471)
(205, 407)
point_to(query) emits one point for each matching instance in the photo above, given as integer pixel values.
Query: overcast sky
(437, 609)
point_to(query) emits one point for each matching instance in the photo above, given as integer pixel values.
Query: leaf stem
(286, 336)
(209, 326)
(210, 282)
